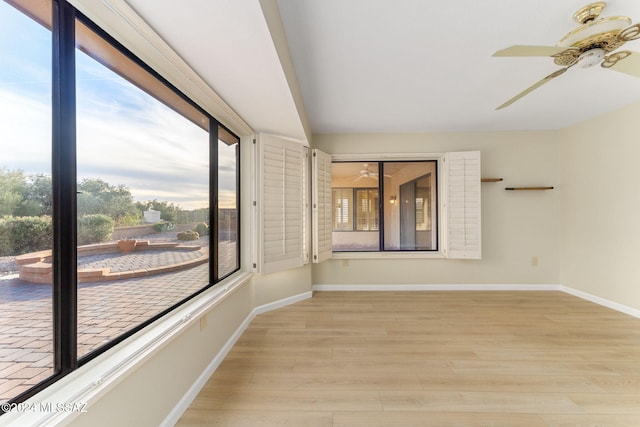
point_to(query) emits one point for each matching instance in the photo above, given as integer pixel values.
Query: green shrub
(128, 220)
(95, 228)
(21, 235)
(6, 248)
(202, 229)
(188, 235)
(163, 226)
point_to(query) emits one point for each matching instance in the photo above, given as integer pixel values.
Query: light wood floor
(429, 359)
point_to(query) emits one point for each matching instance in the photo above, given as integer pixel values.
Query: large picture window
(119, 197)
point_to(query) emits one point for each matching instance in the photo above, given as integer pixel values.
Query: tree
(37, 197)
(12, 187)
(168, 211)
(96, 196)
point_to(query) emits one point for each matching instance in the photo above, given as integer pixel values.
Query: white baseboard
(484, 287)
(182, 405)
(602, 301)
(281, 303)
(437, 287)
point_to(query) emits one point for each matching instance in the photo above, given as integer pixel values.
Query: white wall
(516, 226)
(600, 231)
(279, 286)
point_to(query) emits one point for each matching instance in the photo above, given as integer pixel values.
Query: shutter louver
(281, 206)
(463, 205)
(321, 206)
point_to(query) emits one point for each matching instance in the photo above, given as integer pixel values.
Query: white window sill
(389, 255)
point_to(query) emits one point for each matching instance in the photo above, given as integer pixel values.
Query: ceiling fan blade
(533, 87)
(630, 33)
(522, 50)
(625, 62)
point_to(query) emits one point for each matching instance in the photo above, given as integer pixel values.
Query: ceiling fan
(592, 42)
(365, 172)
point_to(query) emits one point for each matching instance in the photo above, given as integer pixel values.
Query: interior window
(403, 219)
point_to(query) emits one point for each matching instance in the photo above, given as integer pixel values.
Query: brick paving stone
(6, 353)
(35, 357)
(16, 390)
(46, 373)
(15, 367)
(45, 362)
(27, 373)
(8, 385)
(20, 344)
(33, 343)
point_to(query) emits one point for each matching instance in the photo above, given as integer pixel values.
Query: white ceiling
(392, 66)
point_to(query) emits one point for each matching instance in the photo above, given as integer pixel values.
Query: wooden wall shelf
(528, 188)
(490, 179)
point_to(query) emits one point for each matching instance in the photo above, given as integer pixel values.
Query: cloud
(25, 132)
(149, 151)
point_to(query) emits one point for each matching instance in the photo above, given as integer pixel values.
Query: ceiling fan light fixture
(591, 57)
(589, 13)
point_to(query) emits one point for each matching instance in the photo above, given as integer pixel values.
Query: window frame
(64, 17)
(439, 158)
(214, 135)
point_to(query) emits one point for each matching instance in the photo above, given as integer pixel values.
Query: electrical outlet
(534, 261)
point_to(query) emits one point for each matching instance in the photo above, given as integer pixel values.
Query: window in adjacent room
(402, 219)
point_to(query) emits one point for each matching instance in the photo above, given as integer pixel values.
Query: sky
(124, 136)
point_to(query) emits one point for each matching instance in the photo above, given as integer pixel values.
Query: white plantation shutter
(306, 215)
(321, 206)
(463, 204)
(280, 204)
